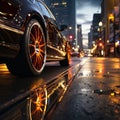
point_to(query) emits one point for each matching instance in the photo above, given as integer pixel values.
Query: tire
(32, 56)
(37, 104)
(66, 61)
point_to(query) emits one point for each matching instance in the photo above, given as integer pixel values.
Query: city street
(60, 60)
(31, 98)
(94, 93)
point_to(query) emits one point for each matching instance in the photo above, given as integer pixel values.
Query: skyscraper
(65, 14)
(79, 36)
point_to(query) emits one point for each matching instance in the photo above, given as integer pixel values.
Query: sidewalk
(94, 94)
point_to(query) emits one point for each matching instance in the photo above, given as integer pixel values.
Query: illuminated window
(56, 4)
(64, 3)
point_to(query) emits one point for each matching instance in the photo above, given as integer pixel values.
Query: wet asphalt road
(94, 94)
(12, 86)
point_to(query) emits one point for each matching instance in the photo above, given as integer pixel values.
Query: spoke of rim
(32, 50)
(39, 63)
(37, 52)
(38, 104)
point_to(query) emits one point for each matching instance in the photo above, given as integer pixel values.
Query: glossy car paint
(15, 15)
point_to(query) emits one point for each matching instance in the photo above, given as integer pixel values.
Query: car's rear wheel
(66, 61)
(32, 57)
(37, 104)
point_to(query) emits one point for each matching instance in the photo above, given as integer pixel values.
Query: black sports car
(29, 36)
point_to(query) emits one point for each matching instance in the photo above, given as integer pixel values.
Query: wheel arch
(23, 56)
(40, 19)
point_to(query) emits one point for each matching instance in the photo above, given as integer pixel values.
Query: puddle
(85, 74)
(103, 92)
(88, 73)
(107, 75)
(112, 92)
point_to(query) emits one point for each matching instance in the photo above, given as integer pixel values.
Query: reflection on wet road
(94, 94)
(33, 97)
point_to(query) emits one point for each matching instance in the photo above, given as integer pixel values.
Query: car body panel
(14, 16)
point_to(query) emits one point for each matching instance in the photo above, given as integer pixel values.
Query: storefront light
(100, 24)
(111, 17)
(117, 43)
(108, 41)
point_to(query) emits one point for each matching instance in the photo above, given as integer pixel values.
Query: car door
(55, 41)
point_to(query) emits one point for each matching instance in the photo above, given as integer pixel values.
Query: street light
(112, 20)
(111, 17)
(100, 27)
(100, 24)
(101, 44)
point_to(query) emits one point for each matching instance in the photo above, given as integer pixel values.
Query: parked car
(29, 37)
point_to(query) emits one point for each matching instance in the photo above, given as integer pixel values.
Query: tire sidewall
(31, 68)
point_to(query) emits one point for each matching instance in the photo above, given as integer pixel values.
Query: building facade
(90, 39)
(109, 31)
(97, 36)
(110, 10)
(79, 37)
(65, 14)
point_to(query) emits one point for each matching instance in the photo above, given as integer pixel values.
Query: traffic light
(71, 36)
(100, 44)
